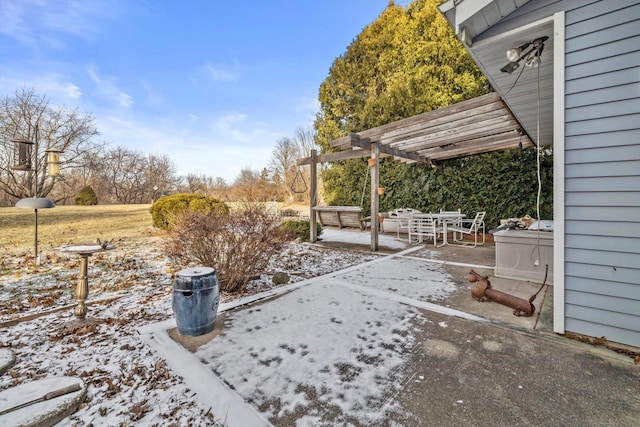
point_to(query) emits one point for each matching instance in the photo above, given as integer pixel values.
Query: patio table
(443, 219)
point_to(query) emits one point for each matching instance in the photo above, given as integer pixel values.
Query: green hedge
(504, 184)
(299, 229)
(165, 209)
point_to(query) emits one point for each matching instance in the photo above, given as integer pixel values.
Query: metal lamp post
(23, 163)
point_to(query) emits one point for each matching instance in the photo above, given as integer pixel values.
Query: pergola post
(375, 179)
(313, 190)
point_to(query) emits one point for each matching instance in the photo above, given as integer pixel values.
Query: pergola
(479, 125)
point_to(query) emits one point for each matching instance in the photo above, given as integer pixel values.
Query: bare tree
(220, 189)
(305, 139)
(250, 186)
(283, 164)
(125, 175)
(204, 184)
(160, 176)
(30, 116)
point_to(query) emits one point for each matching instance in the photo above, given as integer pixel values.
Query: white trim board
(558, 173)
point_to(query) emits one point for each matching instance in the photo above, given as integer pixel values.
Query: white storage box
(517, 252)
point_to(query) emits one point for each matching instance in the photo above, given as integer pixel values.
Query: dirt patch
(192, 343)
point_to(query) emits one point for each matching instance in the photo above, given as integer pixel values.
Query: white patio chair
(402, 215)
(471, 226)
(422, 226)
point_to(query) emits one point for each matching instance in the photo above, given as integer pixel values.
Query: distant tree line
(119, 175)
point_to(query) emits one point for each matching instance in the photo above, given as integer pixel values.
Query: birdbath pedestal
(82, 289)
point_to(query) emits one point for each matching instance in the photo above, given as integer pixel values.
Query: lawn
(64, 225)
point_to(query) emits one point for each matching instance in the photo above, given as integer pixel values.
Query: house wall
(602, 170)
(602, 162)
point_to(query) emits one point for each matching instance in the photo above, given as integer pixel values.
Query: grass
(64, 225)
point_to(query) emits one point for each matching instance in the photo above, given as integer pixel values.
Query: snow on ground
(360, 237)
(127, 383)
(328, 351)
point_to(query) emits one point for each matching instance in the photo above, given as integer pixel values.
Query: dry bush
(238, 245)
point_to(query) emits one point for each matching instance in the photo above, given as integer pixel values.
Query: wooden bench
(341, 216)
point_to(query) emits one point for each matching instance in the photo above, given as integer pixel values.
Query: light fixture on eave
(531, 57)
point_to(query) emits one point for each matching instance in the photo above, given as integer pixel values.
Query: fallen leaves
(604, 342)
(138, 410)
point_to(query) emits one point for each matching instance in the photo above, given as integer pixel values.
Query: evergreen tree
(86, 197)
(405, 63)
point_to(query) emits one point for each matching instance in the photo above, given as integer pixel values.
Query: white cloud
(154, 98)
(38, 23)
(208, 72)
(12, 16)
(196, 151)
(307, 105)
(235, 127)
(219, 73)
(56, 86)
(106, 87)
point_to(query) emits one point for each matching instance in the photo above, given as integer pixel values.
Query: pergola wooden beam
(334, 157)
(356, 141)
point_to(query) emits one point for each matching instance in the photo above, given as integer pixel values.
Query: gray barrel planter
(196, 296)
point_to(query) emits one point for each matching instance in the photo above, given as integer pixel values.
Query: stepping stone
(41, 402)
(7, 359)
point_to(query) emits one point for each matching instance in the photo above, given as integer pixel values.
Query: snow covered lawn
(131, 287)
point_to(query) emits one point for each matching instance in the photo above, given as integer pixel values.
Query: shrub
(86, 197)
(238, 245)
(166, 209)
(299, 229)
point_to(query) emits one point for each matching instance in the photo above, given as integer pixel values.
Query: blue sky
(212, 84)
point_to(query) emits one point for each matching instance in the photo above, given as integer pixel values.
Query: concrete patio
(399, 341)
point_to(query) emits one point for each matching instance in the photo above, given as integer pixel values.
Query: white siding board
(619, 183)
(604, 302)
(604, 228)
(629, 337)
(603, 169)
(605, 273)
(602, 287)
(612, 199)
